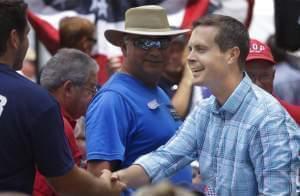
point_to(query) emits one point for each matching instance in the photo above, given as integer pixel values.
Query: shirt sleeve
(274, 152)
(179, 151)
(51, 150)
(107, 123)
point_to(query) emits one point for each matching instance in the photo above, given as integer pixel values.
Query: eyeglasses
(92, 90)
(148, 43)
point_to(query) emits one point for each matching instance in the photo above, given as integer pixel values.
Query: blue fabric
(287, 83)
(31, 133)
(248, 146)
(126, 119)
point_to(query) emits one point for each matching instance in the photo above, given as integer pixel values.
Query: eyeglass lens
(146, 44)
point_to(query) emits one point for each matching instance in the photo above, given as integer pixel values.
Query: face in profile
(81, 96)
(21, 49)
(86, 44)
(206, 60)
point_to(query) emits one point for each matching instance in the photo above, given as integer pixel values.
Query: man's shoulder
(24, 93)
(124, 85)
(262, 107)
(33, 93)
(264, 100)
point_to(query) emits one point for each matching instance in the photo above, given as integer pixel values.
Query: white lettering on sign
(3, 102)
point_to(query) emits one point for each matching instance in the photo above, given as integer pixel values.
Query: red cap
(259, 50)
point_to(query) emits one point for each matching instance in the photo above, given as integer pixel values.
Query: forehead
(259, 64)
(203, 35)
(92, 79)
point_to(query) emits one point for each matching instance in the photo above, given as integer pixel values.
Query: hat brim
(115, 37)
(258, 57)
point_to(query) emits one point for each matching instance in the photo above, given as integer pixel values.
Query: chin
(198, 82)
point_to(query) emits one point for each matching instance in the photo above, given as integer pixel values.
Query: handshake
(111, 181)
(133, 176)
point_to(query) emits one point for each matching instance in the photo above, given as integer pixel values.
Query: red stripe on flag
(102, 62)
(45, 32)
(194, 10)
(249, 13)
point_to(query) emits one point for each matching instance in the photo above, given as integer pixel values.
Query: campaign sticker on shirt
(153, 104)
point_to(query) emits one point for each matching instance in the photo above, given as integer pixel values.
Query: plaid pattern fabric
(247, 146)
(209, 191)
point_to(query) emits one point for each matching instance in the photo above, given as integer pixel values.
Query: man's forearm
(80, 182)
(133, 176)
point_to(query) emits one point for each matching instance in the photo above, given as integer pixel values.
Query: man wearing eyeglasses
(260, 66)
(73, 84)
(131, 115)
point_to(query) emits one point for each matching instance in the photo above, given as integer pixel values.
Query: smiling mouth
(196, 70)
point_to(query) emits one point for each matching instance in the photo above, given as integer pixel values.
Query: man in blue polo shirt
(131, 115)
(31, 127)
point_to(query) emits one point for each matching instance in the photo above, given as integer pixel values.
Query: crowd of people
(176, 96)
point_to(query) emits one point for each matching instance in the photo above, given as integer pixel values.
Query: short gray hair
(67, 64)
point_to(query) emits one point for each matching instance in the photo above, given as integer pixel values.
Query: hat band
(148, 29)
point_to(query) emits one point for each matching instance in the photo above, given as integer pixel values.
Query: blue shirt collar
(235, 99)
(5, 67)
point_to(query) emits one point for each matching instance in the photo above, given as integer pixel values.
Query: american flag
(109, 14)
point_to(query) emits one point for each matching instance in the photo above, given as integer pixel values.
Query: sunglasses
(148, 43)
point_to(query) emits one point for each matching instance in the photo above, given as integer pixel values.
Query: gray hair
(67, 64)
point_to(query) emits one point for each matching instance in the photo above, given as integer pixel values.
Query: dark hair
(278, 53)
(12, 16)
(232, 33)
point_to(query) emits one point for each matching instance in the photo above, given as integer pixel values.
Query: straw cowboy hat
(149, 20)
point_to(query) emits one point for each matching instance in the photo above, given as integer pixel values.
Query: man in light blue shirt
(245, 142)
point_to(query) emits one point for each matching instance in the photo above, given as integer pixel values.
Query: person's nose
(158, 54)
(191, 58)
(155, 51)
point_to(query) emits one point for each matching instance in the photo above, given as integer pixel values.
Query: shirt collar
(234, 101)
(67, 117)
(5, 67)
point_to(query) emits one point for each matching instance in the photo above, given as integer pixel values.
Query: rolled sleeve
(179, 151)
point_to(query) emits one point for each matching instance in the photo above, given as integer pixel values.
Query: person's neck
(223, 90)
(175, 77)
(150, 84)
(6, 61)
(58, 94)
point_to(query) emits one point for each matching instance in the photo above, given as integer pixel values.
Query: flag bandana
(109, 14)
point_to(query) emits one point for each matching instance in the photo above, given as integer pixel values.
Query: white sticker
(3, 102)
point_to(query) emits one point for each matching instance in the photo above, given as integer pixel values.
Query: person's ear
(124, 49)
(14, 39)
(232, 55)
(68, 88)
